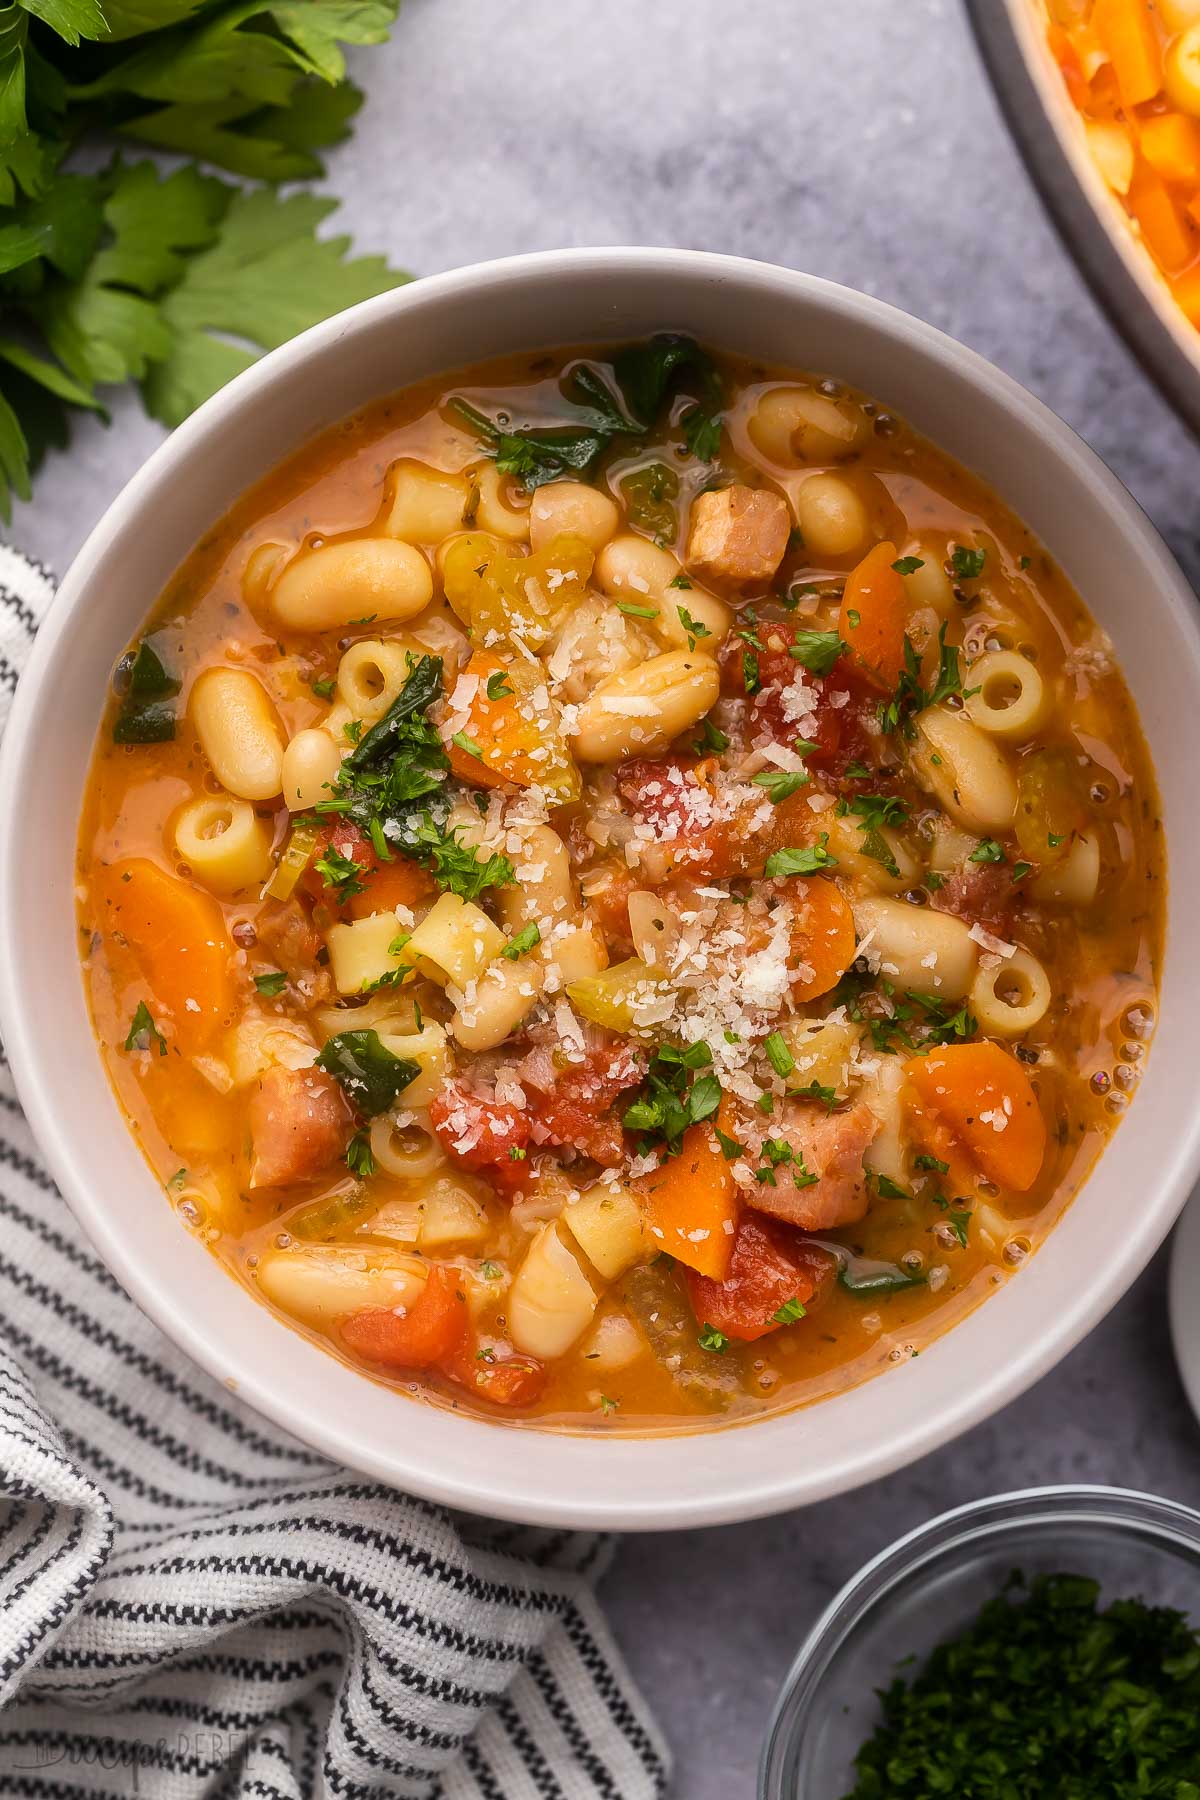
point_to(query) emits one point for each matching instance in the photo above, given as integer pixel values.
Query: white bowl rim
(490, 1490)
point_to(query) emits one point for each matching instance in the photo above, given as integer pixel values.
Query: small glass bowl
(930, 1585)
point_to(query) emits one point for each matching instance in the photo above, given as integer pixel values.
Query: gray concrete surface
(858, 140)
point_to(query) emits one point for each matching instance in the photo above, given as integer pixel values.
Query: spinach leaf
(144, 718)
(368, 1073)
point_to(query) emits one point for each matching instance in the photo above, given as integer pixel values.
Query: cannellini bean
(238, 732)
(641, 711)
(832, 518)
(613, 1343)
(310, 767)
(632, 569)
(320, 1284)
(572, 508)
(1075, 880)
(965, 769)
(426, 505)
(932, 952)
(551, 1301)
(349, 582)
(887, 1152)
(795, 424)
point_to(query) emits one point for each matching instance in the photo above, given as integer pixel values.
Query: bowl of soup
(584, 871)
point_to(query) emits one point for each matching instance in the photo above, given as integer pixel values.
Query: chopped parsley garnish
(816, 651)
(804, 861)
(854, 616)
(934, 881)
(341, 873)
(924, 1161)
(352, 730)
(967, 564)
(523, 940)
(637, 612)
(876, 811)
(869, 1279)
(468, 744)
(778, 1054)
(729, 1146)
(1024, 562)
(825, 1096)
(143, 1032)
(517, 1153)
(323, 687)
(987, 851)
(780, 784)
(789, 1312)
(710, 1338)
(710, 738)
(1053, 839)
(1021, 870)
(679, 581)
(884, 1186)
(498, 685)
(607, 1406)
(271, 984)
(910, 698)
(1045, 1695)
(370, 1075)
(908, 565)
(751, 675)
(668, 1102)
(778, 1154)
(692, 627)
(359, 1159)
(958, 1218)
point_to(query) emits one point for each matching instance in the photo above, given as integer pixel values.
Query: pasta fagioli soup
(621, 890)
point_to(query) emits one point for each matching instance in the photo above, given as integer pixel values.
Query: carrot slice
(691, 1201)
(977, 1111)
(177, 937)
(1165, 228)
(823, 939)
(1063, 50)
(1170, 143)
(1126, 30)
(513, 739)
(399, 883)
(873, 614)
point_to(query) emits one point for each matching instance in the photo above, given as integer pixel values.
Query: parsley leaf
(817, 651)
(789, 1312)
(908, 565)
(780, 784)
(693, 627)
(987, 851)
(271, 984)
(369, 1074)
(143, 718)
(143, 1032)
(711, 1339)
(498, 685)
(967, 564)
(666, 1104)
(359, 1159)
(524, 940)
(805, 861)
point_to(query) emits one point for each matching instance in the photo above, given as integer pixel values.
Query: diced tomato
(835, 727)
(769, 1267)
(489, 1136)
(505, 1378)
(299, 1124)
(343, 837)
(609, 886)
(675, 796)
(576, 1112)
(427, 1332)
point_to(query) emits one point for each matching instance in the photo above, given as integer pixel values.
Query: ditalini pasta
(621, 888)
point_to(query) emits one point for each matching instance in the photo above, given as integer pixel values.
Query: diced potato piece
(321, 1283)
(621, 998)
(613, 1343)
(458, 938)
(399, 1220)
(255, 1044)
(450, 1215)
(606, 1223)
(360, 954)
(551, 1301)
(824, 1052)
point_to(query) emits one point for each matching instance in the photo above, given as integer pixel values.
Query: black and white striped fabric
(195, 1607)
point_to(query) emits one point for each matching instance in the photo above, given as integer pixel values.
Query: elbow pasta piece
(965, 769)
(238, 732)
(310, 768)
(370, 675)
(571, 508)
(1012, 701)
(918, 949)
(1075, 880)
(504, 994)
(348, 583)
(641, 712)
(361, 954)
(409, 1152)
(831, 515)
(634, 570)
(846, 838)
(428, 1047)
(887, 1153)
(500, 509)
(1012, 996)
(457, 938)
(551, 1301)
(320, 1283)
(798, 425)
(224, 844)
(424, 505)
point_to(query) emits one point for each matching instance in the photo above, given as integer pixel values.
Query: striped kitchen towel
(193, 1606)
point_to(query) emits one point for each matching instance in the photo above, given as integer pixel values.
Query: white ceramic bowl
(1069, 499)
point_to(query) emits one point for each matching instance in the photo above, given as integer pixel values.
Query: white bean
(238, 732)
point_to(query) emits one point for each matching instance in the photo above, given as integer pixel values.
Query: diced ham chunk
(738, 536)
(827, 1145)
(982, 894)
(299, 1124)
